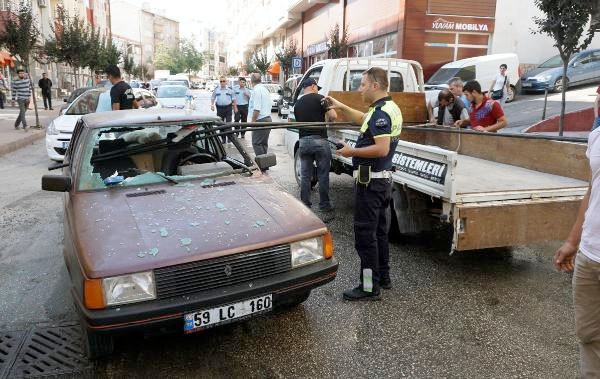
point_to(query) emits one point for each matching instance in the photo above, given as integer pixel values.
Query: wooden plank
(412, 104)
(515, 223)
(552, 157)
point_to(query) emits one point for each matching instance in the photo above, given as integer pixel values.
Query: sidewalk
(12, 139)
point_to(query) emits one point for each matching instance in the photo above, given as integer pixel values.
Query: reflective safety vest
(393, 111)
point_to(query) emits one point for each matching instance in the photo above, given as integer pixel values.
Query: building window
(380, 47)
(463, 45)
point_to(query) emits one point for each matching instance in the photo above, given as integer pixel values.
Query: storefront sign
(466, 25)
(316, 48)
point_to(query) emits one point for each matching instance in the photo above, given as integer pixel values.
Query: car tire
(97, 345)
(558, 84)
(293, 301)
(512, 95)
(297, 163)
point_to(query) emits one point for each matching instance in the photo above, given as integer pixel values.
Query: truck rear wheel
(297, 164)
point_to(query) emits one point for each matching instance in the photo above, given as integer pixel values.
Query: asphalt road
(495, 313)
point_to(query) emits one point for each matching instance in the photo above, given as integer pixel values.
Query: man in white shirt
(261, 112)
(582, 248)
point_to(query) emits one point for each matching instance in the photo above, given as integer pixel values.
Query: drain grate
(55, 351)
(9, 346)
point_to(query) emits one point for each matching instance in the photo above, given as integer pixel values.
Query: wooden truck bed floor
(474, 175)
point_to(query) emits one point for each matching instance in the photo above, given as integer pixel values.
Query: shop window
(381, 47)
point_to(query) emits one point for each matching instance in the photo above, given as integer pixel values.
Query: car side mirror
(280, 92)
(56, 183)
(65, 100)
(264, 161)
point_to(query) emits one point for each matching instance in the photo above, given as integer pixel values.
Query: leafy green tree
(285, 56)
(128, 63)
(565, 22)
(20, 37)
(232, 71)
(188, 58)
(337, 42)
(261, 62)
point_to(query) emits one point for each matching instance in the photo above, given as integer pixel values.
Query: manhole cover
(55, 352)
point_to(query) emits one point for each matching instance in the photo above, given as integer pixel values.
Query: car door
(578, 66)
(593, 68)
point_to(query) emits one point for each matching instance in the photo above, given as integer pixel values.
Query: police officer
(242, 98)
(372, 161)
(224, 98)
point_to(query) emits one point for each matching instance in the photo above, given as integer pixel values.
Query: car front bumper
(56, 145)
(169, 313)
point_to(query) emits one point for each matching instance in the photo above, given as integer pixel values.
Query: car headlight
(51, 130)
(123, 289)
(542, 78)
(311, 250)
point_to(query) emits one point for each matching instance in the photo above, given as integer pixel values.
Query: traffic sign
(296, 62)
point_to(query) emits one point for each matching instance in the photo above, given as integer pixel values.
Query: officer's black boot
(357, 294)
(385, 283)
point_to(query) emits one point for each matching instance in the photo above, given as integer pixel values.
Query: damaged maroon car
(165, 227)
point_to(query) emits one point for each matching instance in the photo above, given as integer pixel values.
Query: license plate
(206, 318)
(526, 84)
(65, 144)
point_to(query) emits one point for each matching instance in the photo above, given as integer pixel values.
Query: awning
(6, 59)
(274, 68)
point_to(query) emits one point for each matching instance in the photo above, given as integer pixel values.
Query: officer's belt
(375, 174)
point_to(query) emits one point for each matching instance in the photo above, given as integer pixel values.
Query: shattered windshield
(149, 154)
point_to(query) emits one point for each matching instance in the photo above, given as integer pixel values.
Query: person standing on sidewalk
(21, 92)
(261, 112)
(314, 146)
(121, 94)
(372, 161)
(581, 252)
(46, 85)
(242, 98)
(3, 91)
(224, 98)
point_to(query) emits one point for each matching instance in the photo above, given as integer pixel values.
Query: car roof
(144, 116)
(479, 59)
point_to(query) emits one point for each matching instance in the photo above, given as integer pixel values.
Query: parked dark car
(584, 67)
(167, 230)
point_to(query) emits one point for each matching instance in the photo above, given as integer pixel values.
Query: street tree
(285, 55)
(261, 62)
(565, 22)
(337, 43)
(188, 58)
(232, 71)
(128, 64)
(20, 37)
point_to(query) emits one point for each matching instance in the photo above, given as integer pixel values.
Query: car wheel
(297, 164)
(97, 345)
(293, 301)
(511, 95)
(558, 84)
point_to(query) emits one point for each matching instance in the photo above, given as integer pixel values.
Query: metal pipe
(545, 103)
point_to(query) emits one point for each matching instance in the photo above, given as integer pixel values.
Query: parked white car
(175, 97)
(94, 100)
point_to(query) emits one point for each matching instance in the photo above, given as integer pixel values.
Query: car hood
(169, 102)
(542, 70)
(66, 123)
(118, 231)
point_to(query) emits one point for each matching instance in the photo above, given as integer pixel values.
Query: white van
(345, 74)
(483, 69)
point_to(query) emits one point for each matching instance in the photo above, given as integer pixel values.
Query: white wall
(513, 33)
(125, 21)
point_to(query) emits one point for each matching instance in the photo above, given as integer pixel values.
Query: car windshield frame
(175, 91)
(443, 75)
(90, 176)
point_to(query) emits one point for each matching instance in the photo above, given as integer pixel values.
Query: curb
(22, 142)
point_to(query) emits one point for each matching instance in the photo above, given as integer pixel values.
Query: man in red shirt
(486, 114)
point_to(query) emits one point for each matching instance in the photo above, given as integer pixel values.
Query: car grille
(189, 278)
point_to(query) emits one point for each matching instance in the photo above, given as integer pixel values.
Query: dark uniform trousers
(225, 113)
(371, 224)
(241, 115)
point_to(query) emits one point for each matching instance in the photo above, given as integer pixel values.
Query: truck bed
(478, 176)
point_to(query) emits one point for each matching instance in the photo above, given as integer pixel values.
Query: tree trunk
(561, 124)
(35, 108)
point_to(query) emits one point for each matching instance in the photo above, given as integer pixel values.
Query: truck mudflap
(508, 223)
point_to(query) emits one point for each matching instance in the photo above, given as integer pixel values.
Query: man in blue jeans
(314, 146)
